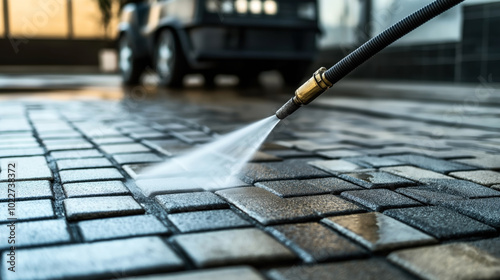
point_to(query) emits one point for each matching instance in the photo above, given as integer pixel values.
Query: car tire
(131, 67)
(171, 64)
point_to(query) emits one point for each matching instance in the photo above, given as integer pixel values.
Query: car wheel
(130, 67)
(170, 63)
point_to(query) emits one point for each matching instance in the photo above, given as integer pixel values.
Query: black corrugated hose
(389, 36)
(313, 87)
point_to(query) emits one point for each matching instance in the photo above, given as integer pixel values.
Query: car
(239, 37)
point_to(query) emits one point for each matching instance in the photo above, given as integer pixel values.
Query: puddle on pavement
(214, 165)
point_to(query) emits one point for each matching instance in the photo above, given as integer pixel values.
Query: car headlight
(270, 7)
(241, 6)
(307, 11)
(255, 6)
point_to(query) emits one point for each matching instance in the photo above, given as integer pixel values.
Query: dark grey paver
(369, 161)
(414, 173)
(380, 199)
(290, 188)
(378, 232)
(449, 262)
(268, 208)
(26, 168)
(335, 166)
(314, 242)
(483, 177)
(440, 222)
(83, 163)
(27, 210)
(91, 153)
(95, 260)
(95, 188)
(374, 179)
(136, 158)
(462, 188)
(226, 273)
(428, 194)
(129, 226)
(233, 246)
(183, 202)
(35, 233)
(21, 152)
(437, 165)
(124, 148)
(27, 190)
(288, 169)
(85, 175)
(207, 220)
(333, 185)
(350, 270)
(486, 210)
(100, 207)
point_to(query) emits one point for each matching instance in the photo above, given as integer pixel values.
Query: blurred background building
(458, 46)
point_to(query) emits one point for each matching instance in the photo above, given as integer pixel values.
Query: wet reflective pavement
(304, 208)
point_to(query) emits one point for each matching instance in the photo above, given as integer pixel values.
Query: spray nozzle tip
(287, 109)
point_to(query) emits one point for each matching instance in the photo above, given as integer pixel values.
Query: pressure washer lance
(323, 79)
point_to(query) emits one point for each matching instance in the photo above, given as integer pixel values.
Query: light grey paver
(27, 190)
(83, 163)
(100, 207)
(90, 153)
(183, 202)
(85, 175)
(374, 179)
(483, 177)
(335, 166)
(234, 246)
(27, 210)
(124, 148)
(27, 168)
(136, 158)
(129, 226)
(35, 233)
(94, 260)
(95, 188)
(414, 173)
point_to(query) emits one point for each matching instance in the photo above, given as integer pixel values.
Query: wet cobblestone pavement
(359, 190)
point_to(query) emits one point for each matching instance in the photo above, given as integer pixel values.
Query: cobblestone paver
(303, 208)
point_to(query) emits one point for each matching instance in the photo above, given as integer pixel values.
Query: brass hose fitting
(306, 93)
